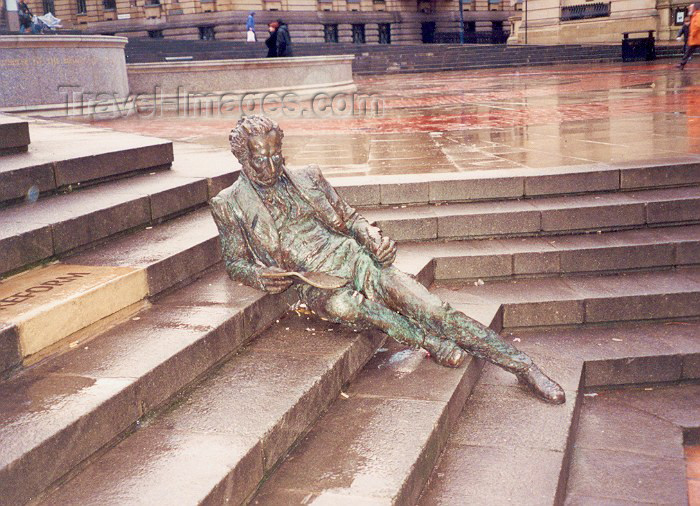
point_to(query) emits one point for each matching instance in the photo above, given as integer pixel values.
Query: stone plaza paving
(490, 119)
(559, 205)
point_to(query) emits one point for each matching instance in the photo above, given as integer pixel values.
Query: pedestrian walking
(694, 34)
(684, 32)
(284, 40)
(250, 27)
(271, 41)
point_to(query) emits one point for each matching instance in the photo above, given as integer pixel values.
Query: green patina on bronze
(274, 220)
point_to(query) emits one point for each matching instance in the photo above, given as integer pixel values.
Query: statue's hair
(249, 126)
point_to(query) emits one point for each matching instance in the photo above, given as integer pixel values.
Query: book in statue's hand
(317, 279)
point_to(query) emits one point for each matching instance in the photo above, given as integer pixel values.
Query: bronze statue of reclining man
(274, 219)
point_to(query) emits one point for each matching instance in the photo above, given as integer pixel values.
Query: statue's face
(265, 162)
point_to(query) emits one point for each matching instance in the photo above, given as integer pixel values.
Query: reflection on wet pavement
(492, 119)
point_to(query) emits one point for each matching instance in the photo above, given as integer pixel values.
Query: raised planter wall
(305, 76)
(36, 69)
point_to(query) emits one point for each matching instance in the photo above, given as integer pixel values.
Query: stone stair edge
(378, 190)
(220, 328)
(281, 418)
(14, 135)
(293, 481)
(185, 248)
(402, 431)
(279, 441)
(548, 216)
(200, 252)
(468, 260)
(142, 200)
(422, 272)
(630, 366)
(589, 300)
(45, 174)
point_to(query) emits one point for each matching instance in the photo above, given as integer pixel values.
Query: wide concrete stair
(596, 310)
(63, 272)
(171, 384)
(383, 58)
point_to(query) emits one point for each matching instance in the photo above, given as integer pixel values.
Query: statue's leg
(404, 294)
(351, 307)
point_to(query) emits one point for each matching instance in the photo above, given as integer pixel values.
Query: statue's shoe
(542, 386)
(445, 351)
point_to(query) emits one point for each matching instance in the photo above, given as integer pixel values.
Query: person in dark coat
(271, 41)
(25, 17)
(684, 33)
(284, 40)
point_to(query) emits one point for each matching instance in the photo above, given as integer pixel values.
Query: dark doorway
(330, 33)
(358, 34)
(384, 33)
(428, 32)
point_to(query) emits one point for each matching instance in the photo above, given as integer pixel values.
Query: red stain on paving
(692, 459)
(471, 120)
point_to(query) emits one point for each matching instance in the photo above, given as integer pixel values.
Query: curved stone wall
(39, 70)
(304, 76)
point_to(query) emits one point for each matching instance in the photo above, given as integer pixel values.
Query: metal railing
(585, 11)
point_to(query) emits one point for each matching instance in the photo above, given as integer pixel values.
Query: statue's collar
(264, 191)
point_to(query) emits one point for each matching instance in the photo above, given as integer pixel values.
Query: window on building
(155, 34)
(425, 6)
(48, 6)
(384, 33)
(82, 7)
(109, 5)
(206, 33)
(330, 33)
(470, 26)
(497, 26)
(358, 34)
(152, 2)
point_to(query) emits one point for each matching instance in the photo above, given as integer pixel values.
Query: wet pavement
(535, 117)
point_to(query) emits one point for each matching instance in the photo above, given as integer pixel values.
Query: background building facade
(581, 21)
(360, 21)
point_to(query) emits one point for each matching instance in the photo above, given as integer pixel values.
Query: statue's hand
(385, 251)
(274, 285)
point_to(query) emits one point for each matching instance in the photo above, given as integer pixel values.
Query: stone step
(540, 216)
(64, 155)
(42, 307)
(556, 256)
(379, 442)
(217, 441)
(14, 135)
(59, 412)
(577, 300)
(58, 224)
(508, 448)
(610, 463)
(499, 184)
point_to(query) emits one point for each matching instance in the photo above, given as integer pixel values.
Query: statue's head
(257, 144)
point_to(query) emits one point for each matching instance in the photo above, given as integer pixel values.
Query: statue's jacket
(249, 238)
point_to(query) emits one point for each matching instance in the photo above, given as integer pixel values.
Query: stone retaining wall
(39, 70)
